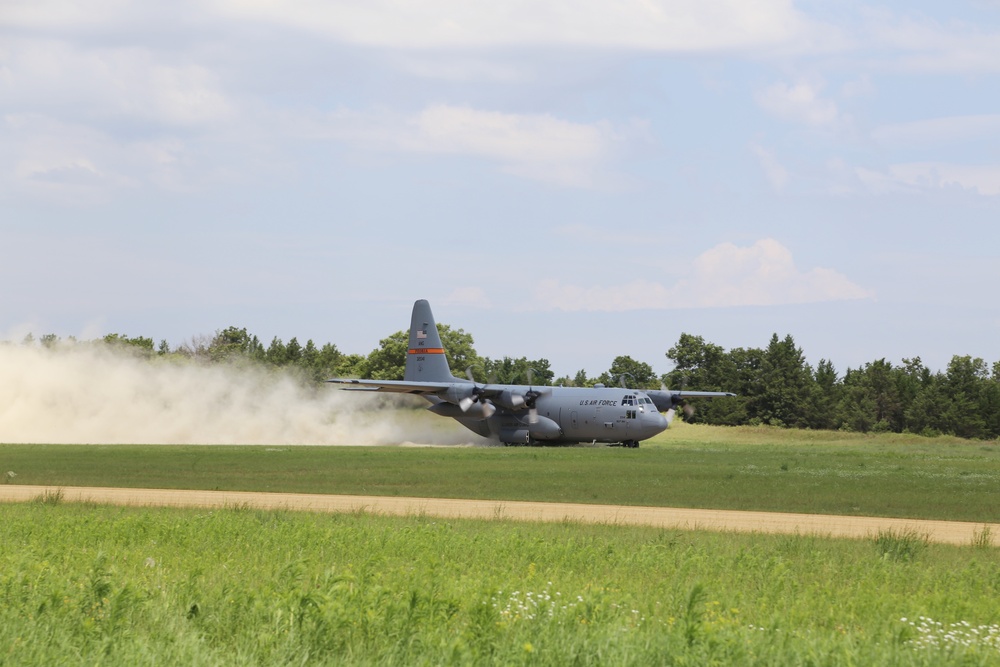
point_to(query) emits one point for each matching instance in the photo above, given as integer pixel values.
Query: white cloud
(763, 274)
(860, 87)
(66, 162)
(776, 174)
(919, 176)
(65, 14)
(467, 297)
(800, 102)
(78, 164)
(131, 83)
(924, 45)
(660, 25)
(536, 146)
(459, 70)
(945, 130)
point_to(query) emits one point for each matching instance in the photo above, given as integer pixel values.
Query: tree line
(774, 385)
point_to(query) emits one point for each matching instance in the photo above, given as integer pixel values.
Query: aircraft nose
(656, 423)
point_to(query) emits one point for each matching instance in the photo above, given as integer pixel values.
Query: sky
(573, 181)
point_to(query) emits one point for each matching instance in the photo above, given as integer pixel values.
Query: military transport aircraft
(526, 414)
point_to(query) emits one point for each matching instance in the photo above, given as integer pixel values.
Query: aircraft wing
(395, 386)
(666, 399)
(463, 395)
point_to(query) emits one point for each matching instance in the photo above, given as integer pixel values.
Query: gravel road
(951, 532)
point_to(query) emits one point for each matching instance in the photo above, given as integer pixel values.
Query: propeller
(686, 407)
(531, 396)
(476, 396)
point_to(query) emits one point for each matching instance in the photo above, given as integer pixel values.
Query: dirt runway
(950, 532)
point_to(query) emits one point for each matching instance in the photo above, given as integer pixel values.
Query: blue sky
(572, 181)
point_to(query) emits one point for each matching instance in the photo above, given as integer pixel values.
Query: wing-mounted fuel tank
(476, 410)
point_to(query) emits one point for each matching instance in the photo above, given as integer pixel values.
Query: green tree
(137, 343)
(697, 365)
(965, 384)
(293, 352)
(229, 343)
(927, 414)
(514, 371)
(309, 355)
(635, 374)
(459, 346)
(350, 366)
(871, 399)
(785, 385)
(991, 403)
(821, 412)
(911, 377)
(388, 360)
(703, 366)
(276, 352)
(327, 362)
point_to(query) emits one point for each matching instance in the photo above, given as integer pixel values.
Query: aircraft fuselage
(565, 415)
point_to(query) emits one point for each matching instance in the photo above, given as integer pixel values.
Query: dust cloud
(96, 394)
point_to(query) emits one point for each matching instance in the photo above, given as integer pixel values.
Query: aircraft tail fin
(425, 357)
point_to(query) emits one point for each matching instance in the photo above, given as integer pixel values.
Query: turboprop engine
(510, 400)
(478, 410)
(467, 401)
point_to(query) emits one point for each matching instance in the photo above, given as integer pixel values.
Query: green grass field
(688, 466)
(90, 584)
(85, 584)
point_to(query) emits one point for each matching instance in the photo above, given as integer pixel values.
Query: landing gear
(631, 444)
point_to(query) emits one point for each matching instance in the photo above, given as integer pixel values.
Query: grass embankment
(84, 584)
(688, 466)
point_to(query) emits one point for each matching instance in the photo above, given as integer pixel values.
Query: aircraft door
(631, 424)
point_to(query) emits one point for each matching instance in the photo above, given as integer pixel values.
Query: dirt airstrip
(951, 532)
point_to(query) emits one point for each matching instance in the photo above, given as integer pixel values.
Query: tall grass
(99, 585)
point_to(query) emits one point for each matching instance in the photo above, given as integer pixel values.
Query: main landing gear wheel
(632, 444)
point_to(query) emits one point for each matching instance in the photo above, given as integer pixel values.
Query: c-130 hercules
(526, 414)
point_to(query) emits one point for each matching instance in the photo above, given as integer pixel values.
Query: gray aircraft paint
(525, 414)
